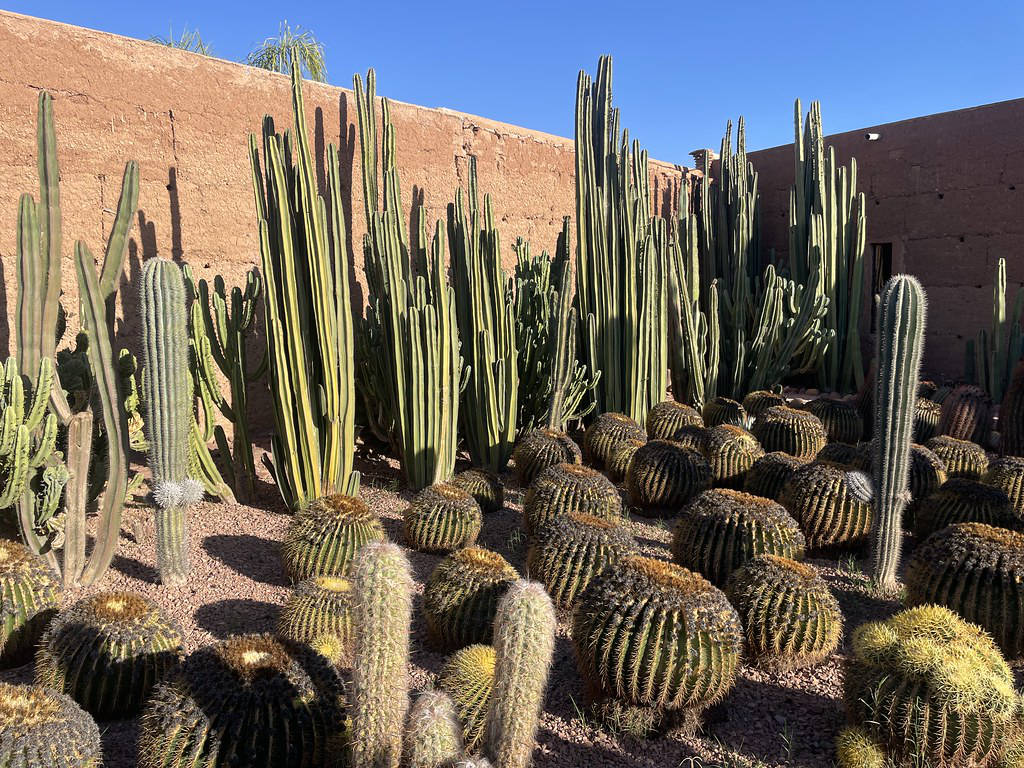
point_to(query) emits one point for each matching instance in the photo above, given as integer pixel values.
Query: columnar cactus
(605, 434)
(668, 416)
(798, 433)
(1007, 474)
(664, 476)
(832, 504)
(840, 418)
(433, 736)
(723, 410)
(926, 419)
(42, 728)
(524, 644)
(484, 486)
(468, 677)
(28, 434)
(963, 501)
(731, 451)
(760, 400)
(962, 457)
(442, 518)
(566, 488)
(319, 614)
(543, 448)
(769, 474)
(324, 538)
(967, 414)
(29, 597)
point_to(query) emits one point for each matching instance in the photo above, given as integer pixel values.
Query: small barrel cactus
(539, 449)
(570, 550)
(930, 689)
(665, 418)
(325, 536)
(926, 419)
(840, 418)
(441, 518)
(723, 410)
(319, 614)
(722, 530)
(840, 453)
(107, 651)
(855, 748)
(621, 458)
(798, 433)
(433, 735)
(831, 503)
(692, 437)
(566, 488)
(42, 728)
(1007, 474)
(790, 617)
(963, 501)
(484, 486)
(461, 596)
(962, 457)
(468, 677)
(251, 700)
(760, 400)
(606, 434)
(731, 451)
(29, 597)
(664, 476)
(967, 414)
(767, 476)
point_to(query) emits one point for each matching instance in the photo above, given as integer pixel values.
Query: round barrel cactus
(731, 451)
(855, 748)
(107, 651)
(441, 518)
(962, 457)
(29, 597)
(790, 616)
(539, 449)
(324, 537)
(927, 470)
(831, 503)
(840, 453)
(468, 677)
(840, 418)
(692, 437)
(568, 551)
(963, 501)
(251, 700)
(319, 614)
(798, 433)
(760, 400)
(666, 417)
(566, 488)
(930, 689)
(926, 419)
(484, 486)
(1007, 474)
(767, 476)
(664, 476)
(43, 728)
(722, 530)
(461, 596)
(606, 434)
(622, 456)
(967, 414)
(723, 410)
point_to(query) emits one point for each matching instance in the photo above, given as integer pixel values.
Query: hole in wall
(941, 195)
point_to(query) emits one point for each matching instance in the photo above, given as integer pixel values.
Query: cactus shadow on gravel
(254, 557)
(235, 616)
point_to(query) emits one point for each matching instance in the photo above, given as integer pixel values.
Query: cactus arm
(76, 494)
(117, 243)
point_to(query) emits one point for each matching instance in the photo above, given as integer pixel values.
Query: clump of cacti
(831, 503)
(841, 453)
(977, 571)
(722, 529)
(29, 596)
(42, 728)
(606, 433)
(790, 617)
(461, 596)
(569, 550)
(760, 400)
(798, 433)
(840, 418)
(963, 501)
(1007, 474)
(484, 486)
(542, 448)
(468, 677)
(207, 712)
(618, 465)
(441, 518)
(107, 651)
(930, 689)
(319, 614)
(724, 410)
(962, 457)
(770, 473)
(566, 488)
(644, 616)
(325, 536)
(433, 735)
(668, 416)
(967, 414)
(926, 419)
(664, 476)
(731, 451)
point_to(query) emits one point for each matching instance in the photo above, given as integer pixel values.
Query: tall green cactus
(990, 358)
(22, 415)
(621, 272)
(411, 375)
(901, 320)
(308, 312)
(487, 327)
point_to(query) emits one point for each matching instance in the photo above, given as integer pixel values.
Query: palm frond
(275, 53)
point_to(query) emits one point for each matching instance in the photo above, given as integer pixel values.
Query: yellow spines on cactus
(29, 597)
(484, 486)
(468, 677)
(967, 414)
(441, 518)
(798, 433)
(723, 410)
(324, 538)
(618, 465)
(767, 476)
(664, 476)
(605, 434)
(731, 451)
(840, 418)
(926, 419)
(760, 400)
(666, 417)
(566, 488)
(963, 458)
(1007, 474)
(831, 503)
(42, 728)
(963, 501)
(542, 448)
(319, 613)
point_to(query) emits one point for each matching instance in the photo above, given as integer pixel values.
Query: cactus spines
(977, 571)
(760, 400)
(841, 419)
(605, 434)
(692, 437)
(926, 419)
(484, 486)
(664, 476)
(723, 410)
(566, 488)
(568, 551)
(319, 614)
(798, 433)
(433, 736)
(324, 537)
(962, 457)
(967, 414)
(468, 677)
(542, 448)
(827, 502)
(963, 501)
(841, 453)
(380, 667)
(43, 728)
(790, 617)
(731, 451)
(206, 712)
(107, 652)
(524, 644)
(856, 749)
(461, 596)
(668, 416)
(770, 473)
(621, 458)
(441, 518)
(29, 596)
(1007, 474)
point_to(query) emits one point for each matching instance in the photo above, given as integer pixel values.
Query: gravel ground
(237, 584)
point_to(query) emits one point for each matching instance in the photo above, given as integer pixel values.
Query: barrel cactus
(29, 597)
(664, 476)
(484, 486)
(760, 400)
(42, 728)
(926, 419)
(967, 414)
(568, 551)
(665, 418)
(927, 470)
(790, 617)
(963, 501)
(441, 518)
(831, 503)
(767, 476)
(542, 448)
(798, 433)
(723, 410)
(251, 700)
(468, 677)
(622, 457)
(731, 451)
(461, 596)
(566, 488)
(319, 614)
(692, 437)
(722, 530)
(606, 433)
(962, 457)
(855, 748)
(840, 453)
(324, 537)
(840, 418)
(1007, 474)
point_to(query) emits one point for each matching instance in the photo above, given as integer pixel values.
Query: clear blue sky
(681, 69)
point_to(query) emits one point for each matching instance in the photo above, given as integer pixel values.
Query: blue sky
(681, 69)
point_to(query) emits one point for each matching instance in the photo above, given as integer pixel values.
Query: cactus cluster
(769, 474)
(29, 596)
(967, 414)
(605, 434)
(324, 537)
(963, 501)
(831, 503)
(798, 433)
(668, 416)
(42, 728)
(664, 476)
(566, 488)
(442, 518)
(731, 451)
(840, 418)
(484, 486)
(724, 410)
(1007, 474)
(542, 448)
(468, 678)
(319, 614)
(962, 457)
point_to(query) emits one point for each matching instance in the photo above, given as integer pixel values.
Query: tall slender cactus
(989, 359)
